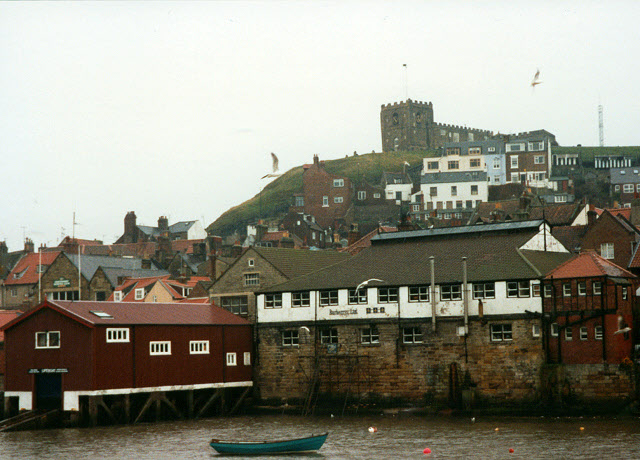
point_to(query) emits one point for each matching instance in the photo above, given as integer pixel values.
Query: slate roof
(297, 262)
(113, 274)
(570, 236)
(491, 256)
(588, 265)
(129, 313)
(625, 175)
(90, 263)
(557, 213)
(28, 264)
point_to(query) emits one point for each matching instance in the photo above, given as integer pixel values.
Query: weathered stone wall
(434, 369)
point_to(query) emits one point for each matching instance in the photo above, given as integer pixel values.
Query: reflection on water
(349, 437)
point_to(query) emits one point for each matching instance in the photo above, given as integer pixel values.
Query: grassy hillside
(277, 195)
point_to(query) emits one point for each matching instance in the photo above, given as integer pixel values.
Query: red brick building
(62, 354)
(587, 304)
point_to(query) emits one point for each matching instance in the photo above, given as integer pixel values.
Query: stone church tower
(409, 126)
(405, 125)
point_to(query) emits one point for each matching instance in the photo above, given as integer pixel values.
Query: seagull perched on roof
(536, 80)
(365, 283)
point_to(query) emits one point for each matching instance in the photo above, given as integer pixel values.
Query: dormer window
(139, 294)
(117, 296)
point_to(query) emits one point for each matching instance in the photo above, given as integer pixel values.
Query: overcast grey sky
(173, 108)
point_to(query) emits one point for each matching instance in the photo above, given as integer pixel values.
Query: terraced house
(428, 314)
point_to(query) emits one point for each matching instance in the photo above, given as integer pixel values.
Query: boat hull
(299, 445)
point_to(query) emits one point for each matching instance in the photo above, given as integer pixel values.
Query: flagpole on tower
(406, 82)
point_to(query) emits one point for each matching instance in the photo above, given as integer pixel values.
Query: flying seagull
(274, 158)
(365, 283)
(536, 80)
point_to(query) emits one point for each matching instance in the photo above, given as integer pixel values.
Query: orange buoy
(372, 429)
(426, 450)
(511, 450)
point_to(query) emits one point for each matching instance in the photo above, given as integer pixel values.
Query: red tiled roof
(626, 212)
(5, 317)
(126, 313)
(275, 236)
(587, 265)
(365, 241)
(28, 265)
(185, 246)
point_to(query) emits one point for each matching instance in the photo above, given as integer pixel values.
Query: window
(583, 333)
(568, 334)
(566, 290)
(453, 164)
(627, 188)
(416, 208)
(535, 330)
(538, 159)
(616, 188)
(231, 359)
(338, 182)
(515, 177)
(597, 332)
(63, 295)
(582, 288)
(514, 161)
(247, 358)
(329, 335)
(48, 339)
(251, 262)
(14, 292)
(329, 297)
(273, 300)
(469, 204)
(597, 288)
(252, 279)
(433, 191)
(238, 305)
(451, 292)
(160, 348)
(411, 335)
(454, 190)
(362, 195)
(325, 201)
(369, 335)
(518, 289)
(496, 163)
(474, 189)
(299, 201)
(625, 292)
(554, 329)
(484, 291)
(453, 151)
(376, 195)
(536, 146)
(290, 338)
(120, 334)
(535, 289)
(337, 199)
(387, 295)
(300, 299)
(501, 333)
(432, 165)
(474, 163)
(475, 150)
(139, 294)
(518, 147)
(199, 347)
(358, 297)
(419, 293)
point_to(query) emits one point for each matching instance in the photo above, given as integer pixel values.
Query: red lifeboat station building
(85, 355)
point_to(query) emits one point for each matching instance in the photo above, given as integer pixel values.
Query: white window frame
(484, 290)
(475, 150)
(362, 195)
(513, 159)
(411, 335)
(538, 160)
(232, 358)
(198, 347)
(450, 292)
(536, 146)
(117, 334)
(139, 293)
(568, 334)
(252, 279)
(325, 201)
(370, 335)
(117, 296)
(555, 328)
(598, 332)
(252, 262)
(328, 297)
(582, 288)
(419, 293)
(502, 332)
(625, 292)
(607, 251)
(357, 298)
(300, 299)
(273, 300)
(246, 358)
(338, 199)
(535, 330)
(566, 290)
(388, 295)
(584, 334)
(515, 147)
(376, 195)
(338, 182)
(160, 348)
(596, 288)
(627, 188)
(48, 339)
(328, 335)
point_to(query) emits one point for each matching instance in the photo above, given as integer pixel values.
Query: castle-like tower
(405, 125)
(409, 126)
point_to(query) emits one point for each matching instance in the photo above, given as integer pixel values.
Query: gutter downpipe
(433, 293)
(465, 298)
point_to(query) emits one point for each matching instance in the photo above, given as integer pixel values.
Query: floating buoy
(497, 429)
(581, 428)
(511, 450)
(473, 420)
(426, 450)
(372, 429)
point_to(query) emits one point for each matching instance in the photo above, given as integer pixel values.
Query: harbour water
(396, 437)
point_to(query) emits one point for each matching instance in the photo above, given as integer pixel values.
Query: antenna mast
(601, 125)
(406, 82)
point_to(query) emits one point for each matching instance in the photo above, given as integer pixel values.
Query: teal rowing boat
(296, 445)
